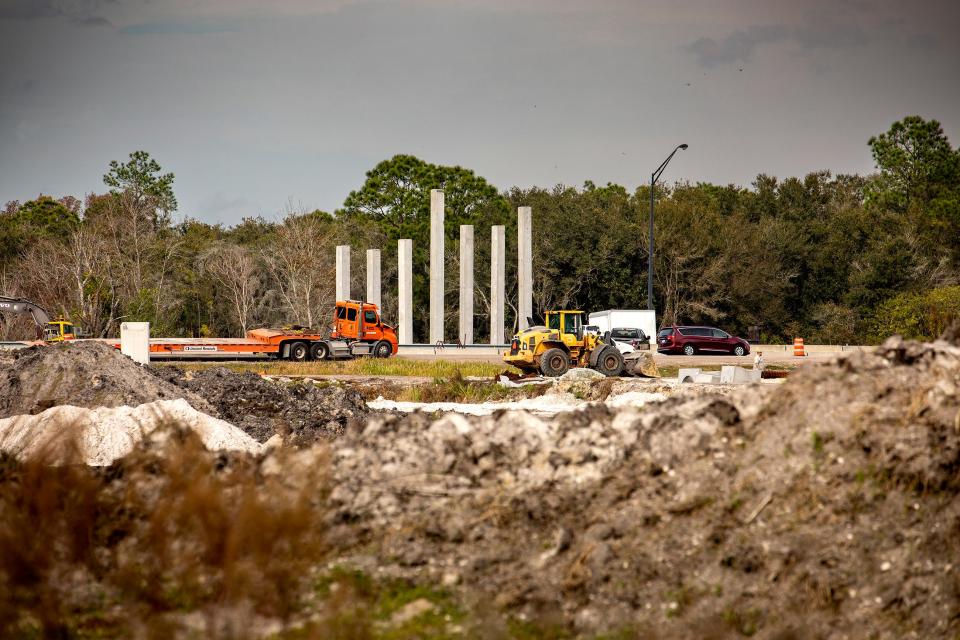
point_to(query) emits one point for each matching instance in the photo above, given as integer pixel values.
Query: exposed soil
(303, 412)
(83, 374)
(824, 507)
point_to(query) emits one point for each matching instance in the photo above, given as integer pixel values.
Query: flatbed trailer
(357, 331)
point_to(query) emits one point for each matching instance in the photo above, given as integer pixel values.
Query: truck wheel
(554, 363)
(299, 351)
(382, 349)
(610, 362)
(319, 351)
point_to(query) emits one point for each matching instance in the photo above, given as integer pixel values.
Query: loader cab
(569, 324)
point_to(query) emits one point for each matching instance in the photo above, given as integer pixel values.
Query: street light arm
(656, 174)
(653, 180)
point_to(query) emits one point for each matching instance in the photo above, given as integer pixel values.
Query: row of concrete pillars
(497, 276)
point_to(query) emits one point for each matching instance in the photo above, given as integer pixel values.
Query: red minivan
(690, 340)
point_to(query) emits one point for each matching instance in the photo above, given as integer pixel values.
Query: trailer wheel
(382, 349)
(554, 363)
(319, 351)
(299, 351)
(610, 362)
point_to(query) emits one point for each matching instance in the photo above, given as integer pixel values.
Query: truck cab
(355, 321)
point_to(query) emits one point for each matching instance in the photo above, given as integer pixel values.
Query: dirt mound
(826, 506)
(302, 413)
(70, 435)
(82, 374)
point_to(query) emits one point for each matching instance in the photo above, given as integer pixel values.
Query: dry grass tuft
(132, 548)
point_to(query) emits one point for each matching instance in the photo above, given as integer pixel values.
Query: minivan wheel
(689, 350)
(739, 351)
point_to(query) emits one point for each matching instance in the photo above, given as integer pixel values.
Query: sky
(265, 107)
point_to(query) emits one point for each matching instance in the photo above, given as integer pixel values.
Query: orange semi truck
(357, 331)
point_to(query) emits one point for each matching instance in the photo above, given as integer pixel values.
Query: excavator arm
(22, 306)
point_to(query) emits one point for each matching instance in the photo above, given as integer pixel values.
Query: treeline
(836, 259)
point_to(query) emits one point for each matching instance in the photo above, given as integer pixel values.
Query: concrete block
(373, 277)
(436, 266)
(498, 269)
(466, 284)
(688, 374)
(343, 272)
(732, 374)
(707, 378)
(525, 264)
(135, 341)
(405, 293)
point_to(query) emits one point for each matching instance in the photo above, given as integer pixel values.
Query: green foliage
(922, 316)
(839, 259)
(48, 218)
(141, 177)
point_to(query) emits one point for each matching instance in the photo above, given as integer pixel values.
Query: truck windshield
(341, 312)
(553, 321)
(570, 323)
(370, 317)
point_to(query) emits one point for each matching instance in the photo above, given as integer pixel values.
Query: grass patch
(359, 606)
(360, 366)
(458, 389)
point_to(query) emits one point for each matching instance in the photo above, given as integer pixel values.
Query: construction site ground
(823, 505)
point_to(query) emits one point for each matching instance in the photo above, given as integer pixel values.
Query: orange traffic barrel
(798, 347)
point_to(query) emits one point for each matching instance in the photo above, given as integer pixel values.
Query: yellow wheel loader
(561, 344)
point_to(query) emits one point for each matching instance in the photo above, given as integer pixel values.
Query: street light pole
(653, 181)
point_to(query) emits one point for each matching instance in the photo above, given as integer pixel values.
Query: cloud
(93, 21)
(176, 27)
(28, 9)
(736, 47)
(81, 12)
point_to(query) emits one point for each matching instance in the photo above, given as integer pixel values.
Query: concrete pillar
(436, 266)
(466, 284)
(373, 276)
(405, 295)
(525, 264)
(498, 268)
(343, 272)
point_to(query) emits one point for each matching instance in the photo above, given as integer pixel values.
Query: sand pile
(68, 434)
(302, 413)
(828, 506)
(82, 374)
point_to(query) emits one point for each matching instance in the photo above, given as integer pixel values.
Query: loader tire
(319, 351)
(554, 363)
(382, 349)
(610, 362)
(299, 351)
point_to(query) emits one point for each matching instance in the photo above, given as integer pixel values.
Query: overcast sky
(256, 104)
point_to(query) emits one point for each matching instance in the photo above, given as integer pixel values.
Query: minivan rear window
(694, 331)
(664, 333)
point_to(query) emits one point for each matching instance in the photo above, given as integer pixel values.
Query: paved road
(774, 356)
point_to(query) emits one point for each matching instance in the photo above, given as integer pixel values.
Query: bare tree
(301, 263)
(234, 269)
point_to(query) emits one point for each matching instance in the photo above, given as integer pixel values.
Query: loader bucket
(640, 363)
